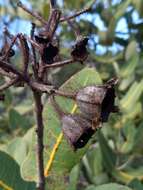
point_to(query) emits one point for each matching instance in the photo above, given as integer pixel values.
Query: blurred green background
(115, 154)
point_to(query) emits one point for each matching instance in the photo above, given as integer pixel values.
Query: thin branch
(85, 10)
(59, 63)
(10, 47)
(33, 13)
(10, 36)
(35, 44)
(40, 146)
(34, 62)
(50, 90)
(52, 24)
(52, 4)
(10, 68)
(7, 74)
(8, 84)
(25, 52)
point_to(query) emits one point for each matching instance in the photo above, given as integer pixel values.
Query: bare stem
(52, 4)
(33, 13)
(40, 146)
(8, 50)
(77, 13)
(34, 62)
(59, 63)
(8, 84)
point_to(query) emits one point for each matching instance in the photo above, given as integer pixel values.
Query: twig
(7, 74)
(10, 68)
(40, 146)
(75, 15)
(52, 24)
(8, 84)
(10, 47)
(34, 62)
(52, 4)
(25, 52)
(59, 64)
(10, 36)
(78, 13)
(35, 44)
(50, 90)
(33, 13)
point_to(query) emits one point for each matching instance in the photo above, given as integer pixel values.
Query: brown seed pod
(76, 129)
(97, 101)
(49, 52)
(79, 51)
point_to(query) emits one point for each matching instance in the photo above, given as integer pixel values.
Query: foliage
(114, 156)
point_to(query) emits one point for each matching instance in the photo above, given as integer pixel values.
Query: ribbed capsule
(97, 101)
(77, 130)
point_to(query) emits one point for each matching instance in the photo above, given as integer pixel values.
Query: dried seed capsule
(49, 52)
(76, 129)
(79, 51)
(97, 102)
(89, 100)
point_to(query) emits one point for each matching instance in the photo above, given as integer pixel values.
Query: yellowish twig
(5, 186)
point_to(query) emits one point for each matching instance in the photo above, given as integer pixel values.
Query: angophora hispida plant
(39, 52)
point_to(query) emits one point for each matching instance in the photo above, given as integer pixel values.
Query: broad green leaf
(129, 131)
(18, 148)
(16, 120)
(73, 178)
(92, 164)
(10, 175)
(136, 184)
(128, 102)
(132, 58)
(109, 186)
(108, 156)
(58, 156)
(138, 138)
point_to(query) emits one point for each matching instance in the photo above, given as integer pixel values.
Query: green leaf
(73, 178)
(16, 120)
(10, 175)
(108, 156)
(129, 131)
(110, 186)
(132, 58)
(128, 102)
(136, 184)
(64, 157)
(18, 148)
(138, 138)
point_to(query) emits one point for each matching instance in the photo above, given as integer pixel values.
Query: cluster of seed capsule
(95, 103)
